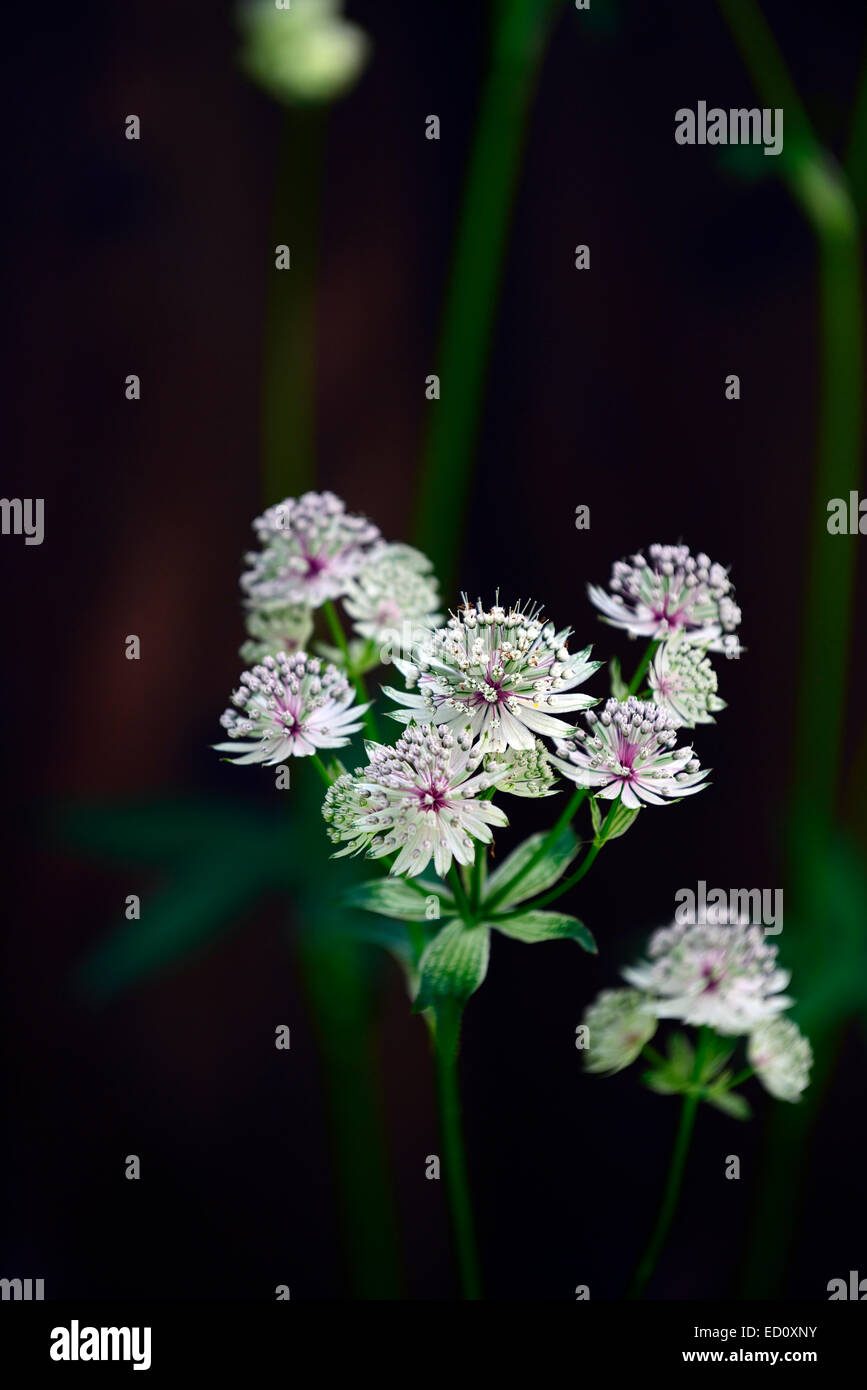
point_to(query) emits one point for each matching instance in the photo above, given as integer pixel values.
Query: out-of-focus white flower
(302, 52)
(522, 771)
(721, 973)
(498, 675)
(672, 591)
(393, 593)
(782, 1058)
(629, 751)
(418, 800)
(620, 1025)
(284, 629)
(288, 707)
(311, 548)
(683, 681)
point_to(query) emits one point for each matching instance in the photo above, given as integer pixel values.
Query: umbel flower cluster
(487, 705)
(722, 977)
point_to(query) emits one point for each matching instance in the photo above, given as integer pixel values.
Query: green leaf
(719, 1052)
(621, 819)
(395, 897)
(681, 1057)
(546, 926)
(730, 1103)
(453, 965)
(662, 1083)
(543, 875)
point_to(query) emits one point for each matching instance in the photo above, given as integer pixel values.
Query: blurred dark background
(606, 388)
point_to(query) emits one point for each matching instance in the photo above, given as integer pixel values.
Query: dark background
(605, 388)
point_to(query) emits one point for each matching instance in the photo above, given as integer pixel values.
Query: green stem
(455, 1165)
(674, 1180)
(518, 31)
(461, 899)
(332, 617)
(288, 453)
(477, 878)
(642, 667)
(321, 769)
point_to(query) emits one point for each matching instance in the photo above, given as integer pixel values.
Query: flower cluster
(498, 675)
(630, 750)
(418, 800)
(672, 591)
(393, 591)
(289, 707)
(310, 548)
(716, 974)
(683, 681)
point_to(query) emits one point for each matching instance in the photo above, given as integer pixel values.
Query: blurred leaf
(394, 897)
(730, 1103)
(619, 687)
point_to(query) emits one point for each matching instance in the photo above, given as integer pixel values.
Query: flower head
(620, 1024)
(782, 1058)
(683, 681)
(272, 630)
(288, 707)
(629, 751)
(311, 548)
(672, 591)
(417, 800)
(498, 675)
(304, 52)
(393, 591)
(721, 973)
(522, 771)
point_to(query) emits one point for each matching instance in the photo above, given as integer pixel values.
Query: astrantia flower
(782, 1058)
(522, 771)
(620, 1025)
(301, 52)
(311, 548)
(683, 681)
(672, 591)
(272, 630)
(289, 707)
(345, 808)
(498, 675)
(417, 800)
(393, 594)
(721, 973)
(629, 751)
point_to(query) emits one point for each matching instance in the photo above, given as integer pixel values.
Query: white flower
(284, 629)
(301, 52)
(500, 676)
(417, 800)
(782, 1058)
(522, 771)
(721, 973)
(620, 1025)
(629, 751)
(289, 707)
(311, 548)
(683, 681)
(673, 591)
(393, 593)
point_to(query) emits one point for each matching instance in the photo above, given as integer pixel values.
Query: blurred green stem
(674, 1180)
(518, 31)
(454, 1158)
(288, 448)
(821, 190)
